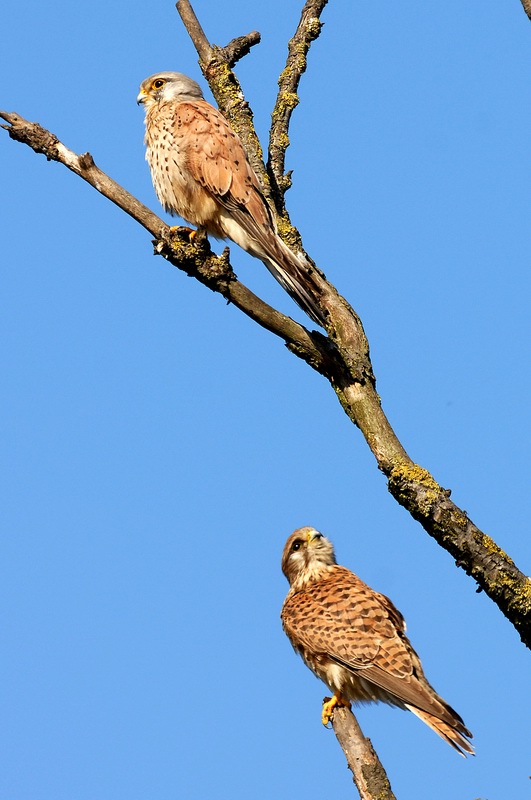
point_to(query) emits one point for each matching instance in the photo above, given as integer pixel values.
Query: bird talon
(184, 230)
(329, 705)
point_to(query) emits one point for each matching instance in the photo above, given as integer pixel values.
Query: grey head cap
(173, 86)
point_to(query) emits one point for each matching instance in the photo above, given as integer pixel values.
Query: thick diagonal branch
(343, 358)
(353, 381)
(196, 259)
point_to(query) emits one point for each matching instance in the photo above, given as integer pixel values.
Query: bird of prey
(354, 639)
(201, 172)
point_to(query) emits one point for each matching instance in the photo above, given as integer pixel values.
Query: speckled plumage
(200, 171)
(353, 638)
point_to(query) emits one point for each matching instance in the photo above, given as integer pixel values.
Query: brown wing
(362, 630)
(342, 617)
(217, 160)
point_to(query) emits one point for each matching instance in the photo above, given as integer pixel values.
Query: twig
(42, 141)
(195, 31)
(239, 47)
(367, 770)
(307, 31)
(230, 54)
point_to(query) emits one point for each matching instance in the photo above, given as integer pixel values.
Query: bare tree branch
(195, 31)
(342, 357)
(344, 360)
(354, 383)
(307, 31)
(367, 770)
(42, 141)
(239, 47)
(230, 54)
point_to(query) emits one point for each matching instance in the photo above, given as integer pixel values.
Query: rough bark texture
(307, 31)
(367, 770)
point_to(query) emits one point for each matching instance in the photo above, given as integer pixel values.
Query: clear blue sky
(158, 448)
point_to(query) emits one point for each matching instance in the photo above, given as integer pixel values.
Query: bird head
(307, 554)
(165, 86)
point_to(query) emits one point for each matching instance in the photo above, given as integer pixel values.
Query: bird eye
(296, 546)
(158, 84)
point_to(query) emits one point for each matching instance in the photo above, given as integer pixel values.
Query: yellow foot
(329, 704)
(184, 229)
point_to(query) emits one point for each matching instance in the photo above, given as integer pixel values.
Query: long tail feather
(289, 270)
(455, 736)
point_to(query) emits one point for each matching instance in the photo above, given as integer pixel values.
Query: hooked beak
(313, 536)
(141, 97)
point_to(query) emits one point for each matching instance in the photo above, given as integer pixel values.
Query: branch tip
(239, 47)
(307, 31)
(195, 30)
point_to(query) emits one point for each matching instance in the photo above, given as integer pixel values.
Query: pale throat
(314, 571)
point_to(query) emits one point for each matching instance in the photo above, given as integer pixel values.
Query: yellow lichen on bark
(490, 546)
(414, 473)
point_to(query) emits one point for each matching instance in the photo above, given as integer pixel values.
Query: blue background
(158, 448)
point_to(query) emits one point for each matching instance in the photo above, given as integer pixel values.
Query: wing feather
(361, 630)
(215, 155)
(216, 159)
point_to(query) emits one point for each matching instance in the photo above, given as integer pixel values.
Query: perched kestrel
(354, 639)
(200, 172)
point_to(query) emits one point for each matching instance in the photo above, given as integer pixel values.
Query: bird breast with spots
(167, 153)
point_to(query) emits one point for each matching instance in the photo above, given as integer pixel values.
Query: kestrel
(354, 639)
(200, 172)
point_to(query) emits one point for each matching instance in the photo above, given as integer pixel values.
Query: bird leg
(330, 703)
